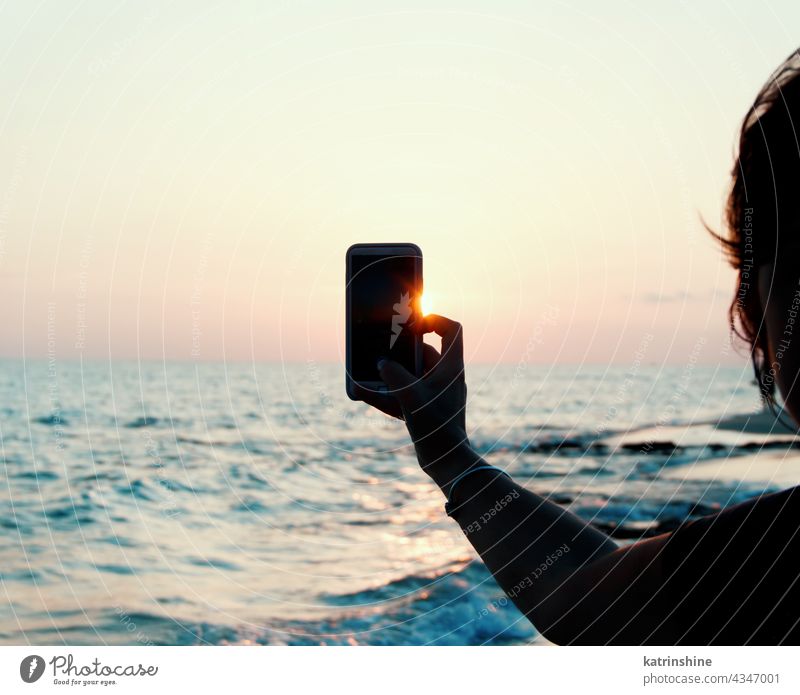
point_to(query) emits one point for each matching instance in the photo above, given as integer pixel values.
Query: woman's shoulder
(733, 575)
(767, 512)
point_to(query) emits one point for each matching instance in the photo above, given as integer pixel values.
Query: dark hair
(763, 207)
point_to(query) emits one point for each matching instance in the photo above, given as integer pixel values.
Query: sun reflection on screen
(425, 304)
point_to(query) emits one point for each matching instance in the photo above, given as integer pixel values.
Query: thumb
(396, 377)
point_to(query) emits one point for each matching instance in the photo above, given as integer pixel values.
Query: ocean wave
(37, 475)
(148, 421)
(463, 606)
(460, 606)
(50, 420)
(236, 523)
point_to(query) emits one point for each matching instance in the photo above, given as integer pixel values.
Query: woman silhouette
(730, 578)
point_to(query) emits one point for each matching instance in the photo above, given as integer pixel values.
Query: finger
(397, 378)
(452, 339)
(382, 401)
(463, 413)
(430, 357)
(450, 331)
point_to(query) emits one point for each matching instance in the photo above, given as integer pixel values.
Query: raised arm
(570, 579)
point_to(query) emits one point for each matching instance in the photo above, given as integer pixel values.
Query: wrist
(451, 463)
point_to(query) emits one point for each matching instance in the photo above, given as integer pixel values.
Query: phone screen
(383, 296)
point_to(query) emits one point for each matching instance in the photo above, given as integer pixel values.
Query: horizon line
(295, 362)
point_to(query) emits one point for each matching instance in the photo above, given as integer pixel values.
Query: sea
(231, 503)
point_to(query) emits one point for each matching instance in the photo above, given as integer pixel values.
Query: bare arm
(570, 579)
(567, 577)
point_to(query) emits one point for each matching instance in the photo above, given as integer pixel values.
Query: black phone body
(383, 291)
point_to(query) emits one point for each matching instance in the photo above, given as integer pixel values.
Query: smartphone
(383, 293)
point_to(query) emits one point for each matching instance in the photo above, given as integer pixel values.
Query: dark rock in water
(778, 444)
(561, 499)
(654, 447)
(752, 446)
(569, 444)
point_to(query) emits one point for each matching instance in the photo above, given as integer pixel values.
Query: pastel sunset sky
(181, 180)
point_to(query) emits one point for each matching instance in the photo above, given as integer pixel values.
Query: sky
(181, 180)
